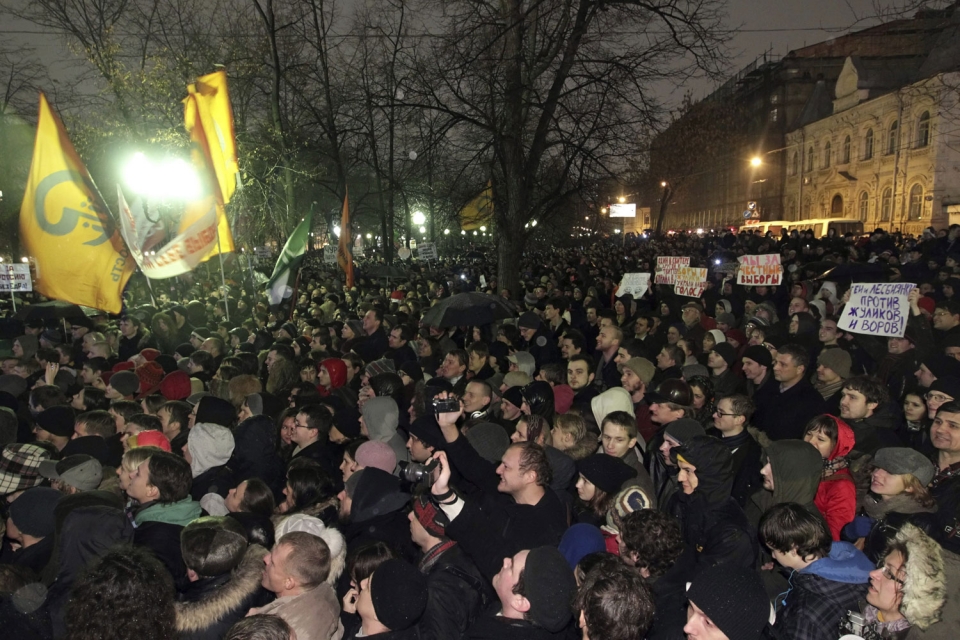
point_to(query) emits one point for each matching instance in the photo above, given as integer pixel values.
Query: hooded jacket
(797, 467)
(210, 446)
(382, 416)
(378, 512)
(821, 594)
(714, 526)
(207, 608)
(837, 494)
(613, 399)
(338, 373)
(254, 454)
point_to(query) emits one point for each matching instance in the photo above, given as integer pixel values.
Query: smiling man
(945, 486)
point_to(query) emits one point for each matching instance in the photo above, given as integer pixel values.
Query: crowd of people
(593, 465)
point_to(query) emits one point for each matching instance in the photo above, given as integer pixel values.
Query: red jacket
(837, 495)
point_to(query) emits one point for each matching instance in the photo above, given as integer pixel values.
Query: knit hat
(550, 587)
(150, 375)
(412, 371)
(210, 445)
(32, 512)
(759, 354)
(378, 455)
(513, 395)
(690, 370)
(726, 351)
(426, 429)
(607, 473)
(941, 365)
(57, 420)
(93, 446)
(529, 320)
(175, 386)
(347, 421)
(517, 379)
(903, 460)
(79, 471)
(642, 367)
(683, 429)
(738, 335)
(734, 600)
(291, 329)
(726, 318)
(398, 592)
(927, 303)
(430, 516)
(52, 336)
(149, 354)
(581, 540)
(837, 360)
(383, 365)
(149, 438)
(125, 383)
(947, 385)
(489, 440)
(626, 502)
(20, 466)
(13, 384)
(525, 362)
(214, 410)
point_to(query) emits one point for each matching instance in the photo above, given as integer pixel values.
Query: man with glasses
(942, 391)
(730, 422)
(946, 320)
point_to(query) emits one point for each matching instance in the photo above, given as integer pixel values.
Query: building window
(923, 129)
(795, 163)
(809, 159)
(886, 205)
(916, 202)
(836, 206)
(868, 145)
(892, 137)
(845, 151)
(863, 206)
(826, 156)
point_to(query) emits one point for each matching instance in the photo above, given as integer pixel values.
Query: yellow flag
(200, 157)
(65, 226)
(479, 211)
(216, 116)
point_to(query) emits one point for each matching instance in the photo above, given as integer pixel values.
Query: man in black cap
(31, 524)
(425, 438)
(721, 361)
(727, 603)
(539, 343)
(391, 601)
(55, 425)
(758, 370)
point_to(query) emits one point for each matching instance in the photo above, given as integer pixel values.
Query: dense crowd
(590, 464)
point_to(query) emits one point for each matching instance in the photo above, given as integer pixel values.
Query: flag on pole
(216, 115)
(479, 211)
(65, 225)
(344, 257)
(289, 260)
(201, 159)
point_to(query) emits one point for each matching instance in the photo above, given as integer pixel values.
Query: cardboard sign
(15, 277)
(636, 284)
(763, 270)
(483, 281)
(877, 309)
(667, 268)
(330, 254)
(427, 251)
(691, 281)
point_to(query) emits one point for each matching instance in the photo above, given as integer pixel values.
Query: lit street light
(446, 232)
(419, 218)
(336, 230)
(483, 228)
(369, 236)
(755, 161)
(423, 229)
(663, 184)
(171, 179)
(622, 199)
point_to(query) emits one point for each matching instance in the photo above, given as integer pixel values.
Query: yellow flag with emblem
(479, 211)
(216, 115)
(65, 225)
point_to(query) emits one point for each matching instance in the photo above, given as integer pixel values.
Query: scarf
(878, 508)
(883, 629)
(430, 557)
(737, 441)
(830, 467)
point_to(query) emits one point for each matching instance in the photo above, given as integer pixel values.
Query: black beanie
(214, 410)
(727, 351)
(550, 587)
(514, 396)
(606, 472)
(734, 599)
(426, 429)
(759, 354)
(399, 594)
(347, 421)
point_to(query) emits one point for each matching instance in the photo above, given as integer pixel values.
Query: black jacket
(254, 454)
(373, 346)
(785, 414)
(379, 512)
(323, 454)
(490, 626)
(218, 480)
(456, 593)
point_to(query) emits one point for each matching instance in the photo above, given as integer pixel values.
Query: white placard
(691, 281)
(760, 271)
(636, 284)
(667, 268)
(330, 254)
(623, 210)
(877, 309)
(483, 281)
(427, 251)
(15, 277)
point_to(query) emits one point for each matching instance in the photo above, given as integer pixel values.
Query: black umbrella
(466, 309)
(55, 309)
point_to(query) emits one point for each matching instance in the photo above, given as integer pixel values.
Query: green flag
(289, 261)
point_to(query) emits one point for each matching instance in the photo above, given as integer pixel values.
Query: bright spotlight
(137, 173)
(462, 232)
(418, 217)
(446, 232)
(621, 199)
(533, 223)
(336, 230)
(24, 259)
(663, 184)
(474, 233)
(171, 179)
(755, 161)
(716, 262)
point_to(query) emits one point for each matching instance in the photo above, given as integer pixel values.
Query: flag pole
(223, 278)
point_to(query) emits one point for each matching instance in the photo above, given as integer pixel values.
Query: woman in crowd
(836, 495)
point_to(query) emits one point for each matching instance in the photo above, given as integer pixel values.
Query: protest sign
(727, 269)
(636, 284)
(763, 270)
(427, 251)
(483, 281)
(691, 281)
(667, 268)
(330, 254)
(877, 309)
(15, 277)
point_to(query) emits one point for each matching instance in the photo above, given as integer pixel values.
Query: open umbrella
(55, 309)
(465, 309)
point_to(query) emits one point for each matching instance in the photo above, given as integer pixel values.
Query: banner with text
(427, 251)
(636, 284)
(691, 281)
(15, 277)
(762, 270)
(877, 309)
(667, 268)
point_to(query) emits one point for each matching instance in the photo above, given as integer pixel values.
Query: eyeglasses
(888, 573)
(722, 414)
(937, 397)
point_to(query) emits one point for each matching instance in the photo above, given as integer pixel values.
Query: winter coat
(888, 516)
(207, 608)
(254, 454)
(822, 593)
(947, 494)
(837, 495)
(218, 480)
(378, 513)
(875, 432)
(946, 628)
(313, 615)
(323, 454)
(714, 526)
(784, 414)
(797, 467)
(158, 528)
(491, 626)
(456, 593)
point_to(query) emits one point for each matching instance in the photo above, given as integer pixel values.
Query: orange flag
(344, 257)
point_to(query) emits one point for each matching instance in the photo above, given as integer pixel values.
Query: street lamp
(24, 259)
(423, 229)
(483, 228)
(755, 161)
(336, 230)
(621, 199)
(369, 236)
(663, 184)
(446, 232)
(419, 218)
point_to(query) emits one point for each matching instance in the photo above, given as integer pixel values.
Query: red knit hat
(175, 386)
(149, 438)
(126, 365)
(149, 354)
(927, 303)
(151, 375)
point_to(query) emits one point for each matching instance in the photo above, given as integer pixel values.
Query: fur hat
(925, 584)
